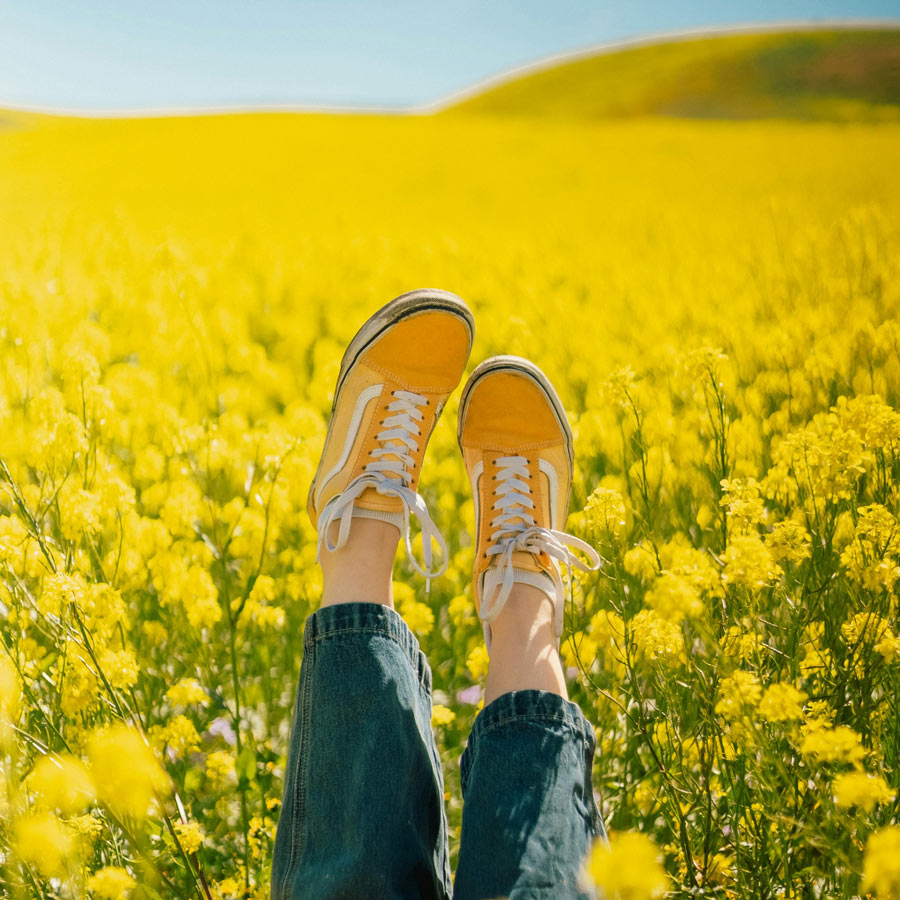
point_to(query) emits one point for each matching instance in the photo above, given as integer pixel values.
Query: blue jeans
(363, 813)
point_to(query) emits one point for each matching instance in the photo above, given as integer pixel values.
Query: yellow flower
(705, 364)
(840, 744)
(888, 646)
(645, 797)
(119, 666)
(10, 694)
(618, 388)
(12, 537)
(63, 783)
(673, 597)
(79, 513)
(861, 789)
(605, 509)
(126, 772)
(869, 629)
(80, 685)
(179, 735)
(477, 662)
(827, 457)
(186, 692)
(220, 767)
(739, 644)
(267, 616)
(103, 609)
(656, 638)
(460, 610)
(227, 888)
(628, 867)
(705, 516)
(418, 616)
(88, 827)
(739, 693)
(748, 562)
(442, 715)
(60, 590)
(190, 834)
(819, 714)
(111, 883)
(640, 561)
(741, 498)
(264, 589)
(789, 541)
(200, 598)
(41, 840)
(721, 869)
(692, 565)
(881, 863)
(80, 370)
(149, 465)
(182, 508)
(155, 631)
(259, 834)
(580, 648)
(781, 702)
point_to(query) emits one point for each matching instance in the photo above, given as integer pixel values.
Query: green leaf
(245, 766)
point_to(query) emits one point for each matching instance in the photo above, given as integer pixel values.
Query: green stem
(245, 821)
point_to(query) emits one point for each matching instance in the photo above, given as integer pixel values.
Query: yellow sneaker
(517, 446)
(394, 380)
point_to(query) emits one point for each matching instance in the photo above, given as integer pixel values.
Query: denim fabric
(529, 813)
(363, 813)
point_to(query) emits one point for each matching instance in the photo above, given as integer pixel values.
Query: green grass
(832, 75)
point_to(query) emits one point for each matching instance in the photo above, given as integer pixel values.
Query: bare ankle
(361, 570)
(524, 653)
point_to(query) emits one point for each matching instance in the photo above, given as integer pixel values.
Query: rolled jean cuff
(367, 618)
(532, 706)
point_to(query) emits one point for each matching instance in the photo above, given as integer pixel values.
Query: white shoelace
(515, 529)
(388, 473)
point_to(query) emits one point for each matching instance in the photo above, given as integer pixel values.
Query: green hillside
(834, 74)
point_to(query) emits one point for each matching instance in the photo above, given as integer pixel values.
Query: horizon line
(473, 90)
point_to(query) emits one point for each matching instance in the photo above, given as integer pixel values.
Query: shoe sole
(403, 307)
(521, 366)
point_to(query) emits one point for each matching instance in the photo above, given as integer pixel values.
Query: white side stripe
(365, 398)
(477, 472)
(550, 472)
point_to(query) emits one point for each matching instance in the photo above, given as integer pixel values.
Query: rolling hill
(832, 74)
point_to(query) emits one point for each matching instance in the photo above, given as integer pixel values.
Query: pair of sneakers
(394, 380)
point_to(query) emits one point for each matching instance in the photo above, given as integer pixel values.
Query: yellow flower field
(717, 303)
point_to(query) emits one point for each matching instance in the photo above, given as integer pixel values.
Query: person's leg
(363, 813)
(523, 648)
(529, 814)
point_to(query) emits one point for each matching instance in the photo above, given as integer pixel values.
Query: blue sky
(125, 54)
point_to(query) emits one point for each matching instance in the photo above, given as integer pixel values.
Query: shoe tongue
(394, 457)
(523, 560)
(519, 518)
